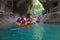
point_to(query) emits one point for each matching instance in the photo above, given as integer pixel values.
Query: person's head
(28, 16)
(18, 18)
(23, 16)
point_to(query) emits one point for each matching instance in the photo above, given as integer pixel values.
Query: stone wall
(50, 4)
(52, 7)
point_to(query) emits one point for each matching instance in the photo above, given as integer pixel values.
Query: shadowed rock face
(49, 4)
(17, 6)
(21, 6)
(53, 8)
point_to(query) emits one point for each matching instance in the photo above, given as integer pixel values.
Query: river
(32, 32)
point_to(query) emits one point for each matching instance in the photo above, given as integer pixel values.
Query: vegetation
(37, 8)
(25, 6)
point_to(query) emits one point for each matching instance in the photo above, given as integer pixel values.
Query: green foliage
(37, 8)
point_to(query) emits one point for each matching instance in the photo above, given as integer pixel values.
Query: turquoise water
(33, 32)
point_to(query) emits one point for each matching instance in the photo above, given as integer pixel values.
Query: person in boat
(22, 21)
(24, 18)
(28, 18)
(18, 20)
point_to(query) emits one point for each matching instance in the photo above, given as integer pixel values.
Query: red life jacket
(28, 19)
(22, 21)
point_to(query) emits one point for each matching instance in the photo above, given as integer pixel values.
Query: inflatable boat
(24, 24)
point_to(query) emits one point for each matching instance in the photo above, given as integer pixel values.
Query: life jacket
(22, 21)
(18, 20)
(28, 19)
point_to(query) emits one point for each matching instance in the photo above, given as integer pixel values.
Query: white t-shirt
(25, 19)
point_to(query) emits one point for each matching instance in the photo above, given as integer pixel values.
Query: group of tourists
(23, 19)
